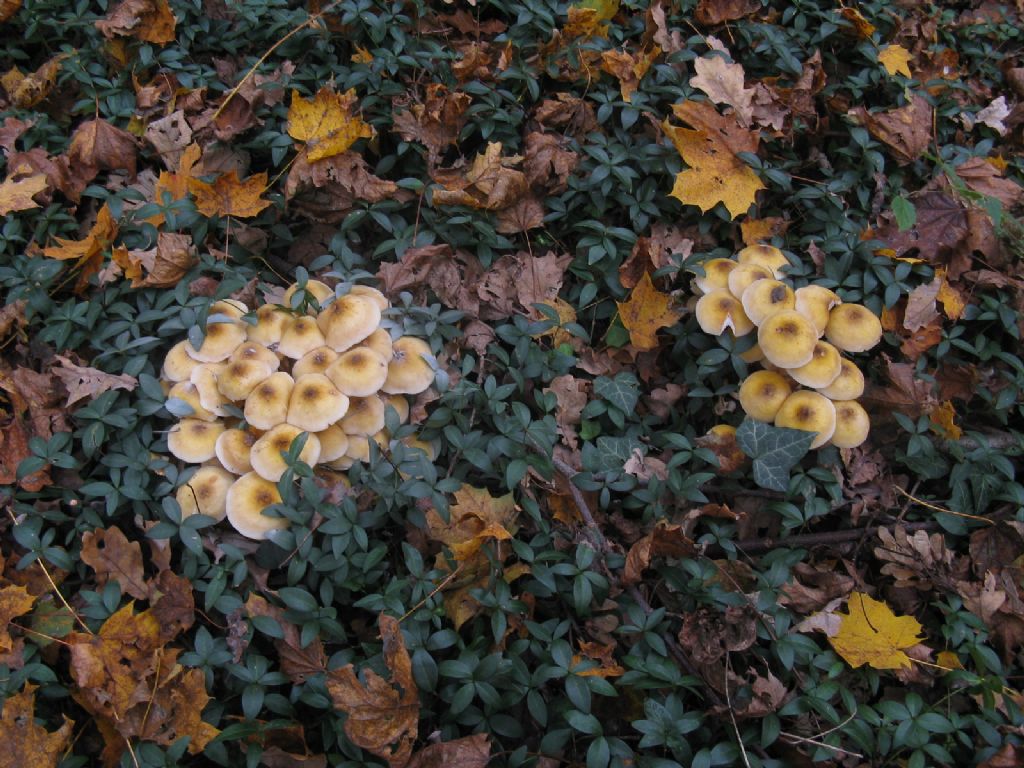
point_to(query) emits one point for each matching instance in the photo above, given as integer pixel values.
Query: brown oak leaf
(82, 381)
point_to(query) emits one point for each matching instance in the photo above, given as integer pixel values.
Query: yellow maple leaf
(230, 196)
(895, 59)
(89, 250)
(943, 421)
(170, 187)
(646, 310)
(17, 195)
(716, 174)
(953, 303)
(870, 633)
(629, 68)
(475, 517)
(326, 123)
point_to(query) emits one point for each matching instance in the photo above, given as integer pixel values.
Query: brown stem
(752, 546)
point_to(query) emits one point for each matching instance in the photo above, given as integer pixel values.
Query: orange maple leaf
(25, 741)
(230, 196)
(870, 633)
(16, 195)
(88, 251)
(647, 310)
(326, 122)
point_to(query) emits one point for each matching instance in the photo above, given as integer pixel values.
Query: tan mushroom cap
(266, 458)
(220, 341)
(753, 355)
(253, 350)
(815, 302)
(428, 448)
(300, 336)
(359, 372)
(719, 310)
(333, 443)
(232, 308)
(824, 367)
(810, 412)
(348, 320)
(399, 403)
(193, 440)
(267, 404)
(178, 364)
(205, 493)
(746, 274)
(240, 377)
(315, 361)
(270, 324)
(849, 385)
(764, 298)
(187, 392)
(233, 449)
(767, 256)
(320, 291)
(409, 371)
(380, 342)
(716, 275)
(371, 293)
(315, 403)
(248, 496)
(763, 393)
(853, 328)
(852, 424)
(365, 416)
(787, 339)
(359, 446)
(204, 376)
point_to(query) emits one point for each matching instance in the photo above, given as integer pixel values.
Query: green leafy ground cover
(648, 599)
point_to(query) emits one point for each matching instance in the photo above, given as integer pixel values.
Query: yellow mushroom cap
(849, 385)
(187, 392)
(365, 416)
(399, 403)
(315, 361)
(178, 364)
(240, 377)
(300, 336)
(824, 367)
(247, 497)
(315, 403)
(270, 324)
(205, 493)
(193, 440)
(380, 342)
(253, 350)
(766, 255)
(333, 443)
(359, 447)
(787, 339)
(853, 328)
(266, 458)
(716, 275)
(719, 310)
(763, 298)
(233, 449)
(753, 355)
(746, 274)
(852, 424)
(359, 372)
(810, 412)
(815, 302)
(348, 320)
(267, 405)
(409, 371)
(763, 393)
(428, 448)
(228, 307)
(320, 291)
(220, 341)
(204, 376)
(371, 293)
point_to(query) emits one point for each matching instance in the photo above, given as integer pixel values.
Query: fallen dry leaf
(230, 196)
(161, 267)
(382, 715)
(97, 145)
(629, 68)
(88, 252)
(870, 633)
(895, 59)
(26, 743)
(326, 123)
(26, 91)
(474, 518)
(907, 130)
(646, 310)
(723, 83)
(151, 21)
(110, 554)
(467, 752)
(14, 601)
(16, 195)
(491, 183)
(437, 122)
(714, 12)
(8, 8)
(82, 382)
(664, 541)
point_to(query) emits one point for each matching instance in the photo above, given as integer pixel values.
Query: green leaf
(610, 453)
(623, 391)
(774, 450)
(905, 213)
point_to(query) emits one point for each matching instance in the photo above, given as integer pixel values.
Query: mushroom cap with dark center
(763, 298)
(787, 339)
(315, 403)
(853, 328)
(267, 405)
(810, 412)
(246, 499)
(220, 341)
(300, 336)
(205, 493)
(848, 385)
(852, 424)
(824, 367)
(718, 310)
(766, 255)
(193, 440)
(763, 393)
(266, 457)
(348, 320)
(410, 370)
(716, 275)
(359, 372)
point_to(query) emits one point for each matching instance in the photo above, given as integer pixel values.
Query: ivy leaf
(774, 450)
(622, 391)
(609, 454)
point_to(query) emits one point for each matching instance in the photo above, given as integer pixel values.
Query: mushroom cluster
(330, 371)
(805, 383)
